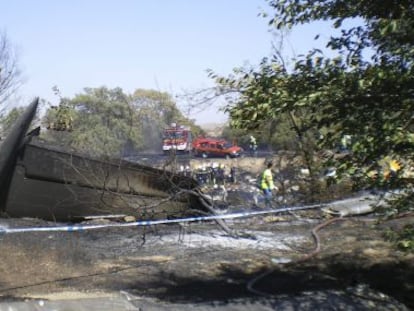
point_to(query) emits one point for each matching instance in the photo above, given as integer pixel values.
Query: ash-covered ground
(302, 260)
(196, 266)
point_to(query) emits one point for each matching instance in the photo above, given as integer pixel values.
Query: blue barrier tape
(76, 228)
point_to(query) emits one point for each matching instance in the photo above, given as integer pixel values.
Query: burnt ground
(271, 264)
(197, 266)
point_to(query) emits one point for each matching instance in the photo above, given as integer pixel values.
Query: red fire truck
(177, 138)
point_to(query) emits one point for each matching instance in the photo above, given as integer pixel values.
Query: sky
(165, 45)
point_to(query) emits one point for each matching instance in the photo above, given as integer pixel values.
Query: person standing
(267, 184)
(253, 146)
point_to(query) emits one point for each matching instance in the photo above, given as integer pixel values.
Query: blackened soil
(199, 264)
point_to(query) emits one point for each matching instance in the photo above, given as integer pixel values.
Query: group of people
(218, 174)
(212, 173)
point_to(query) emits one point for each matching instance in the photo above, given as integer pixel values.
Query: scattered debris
(38, 181)
(350, 207)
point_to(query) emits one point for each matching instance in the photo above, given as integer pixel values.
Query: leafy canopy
(369, 97)
(109, 123)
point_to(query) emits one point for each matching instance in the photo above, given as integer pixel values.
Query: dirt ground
(287, 261)
(197, 264)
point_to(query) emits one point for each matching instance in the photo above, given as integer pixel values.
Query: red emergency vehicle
(213, 147)
(177, 138)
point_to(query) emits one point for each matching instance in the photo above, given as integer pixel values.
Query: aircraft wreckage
(42, 182)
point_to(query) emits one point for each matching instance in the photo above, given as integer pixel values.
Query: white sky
(165, 45)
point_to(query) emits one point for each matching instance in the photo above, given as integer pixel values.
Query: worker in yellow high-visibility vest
(267, 184)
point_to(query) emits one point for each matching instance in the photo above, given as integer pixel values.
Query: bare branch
(10, 74)
(200, 100)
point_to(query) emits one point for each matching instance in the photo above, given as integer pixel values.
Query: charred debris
(42, 182)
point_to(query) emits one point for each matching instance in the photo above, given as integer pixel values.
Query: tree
(103, 123)
(109, 123)
(368, 98)
(7, 121)
(10, 74)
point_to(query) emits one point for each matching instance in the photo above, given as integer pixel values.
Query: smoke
(152, 133)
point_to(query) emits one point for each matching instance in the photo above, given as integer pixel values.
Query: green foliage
(7, 121)
(156, 111)
(231, 134)
(109, 123)
(403, 239)
(104, 122)
(370, 99)
(274, 134)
